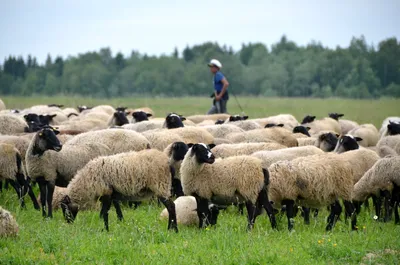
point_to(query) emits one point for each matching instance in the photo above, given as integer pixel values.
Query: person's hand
(218, 98)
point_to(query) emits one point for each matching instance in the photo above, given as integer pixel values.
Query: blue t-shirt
(218, 84)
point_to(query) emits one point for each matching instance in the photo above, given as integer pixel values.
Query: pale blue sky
(156, 27)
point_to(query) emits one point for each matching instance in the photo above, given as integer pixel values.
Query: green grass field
(143, 239)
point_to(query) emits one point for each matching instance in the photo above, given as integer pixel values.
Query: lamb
(274, 134)
(160, 139)
(346, 143)
(117, 140)
(186, 213)
(231, 180)
(8, 225)
(314, 181)
(2, 105)
(345, 125)
(132, 175)
(221, 131)
(227, 150)
(12, 170)
(325, 124)
(389, 145)
(381, 180)
(12, 124)
(270, 157)
(173, 121)
(49, 168)
(368, 133)
(214, 117)
(145, 110)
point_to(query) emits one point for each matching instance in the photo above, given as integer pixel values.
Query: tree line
(285, 70)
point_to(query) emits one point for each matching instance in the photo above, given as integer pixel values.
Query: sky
(64, 28)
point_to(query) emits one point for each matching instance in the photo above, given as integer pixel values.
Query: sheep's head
(327, 141)
(32, 117)
(219, 121)
(335, 115)
(121, 108)
(347, 143)
(46, 139)
(139, 116)
(308, 119)
(178, 151)
(302, 129)
(393, 128)
(174, 120)
(271, 125)
(203, 153)
(238, 118)
(82, 108)
(120, 118)
(33, 122)
(46, 119)
(70, 209)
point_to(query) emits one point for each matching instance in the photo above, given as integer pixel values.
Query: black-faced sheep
(383, 131)
(139, 116)
(8, 225)
(225, 181)
(119, 118)
(368, 133)
(325, 124)
(134, 176)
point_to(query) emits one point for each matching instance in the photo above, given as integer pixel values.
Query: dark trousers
(218, 107)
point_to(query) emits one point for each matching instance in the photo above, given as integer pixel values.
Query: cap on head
(216, 63)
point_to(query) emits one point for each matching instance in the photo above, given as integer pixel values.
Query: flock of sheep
(95, 158)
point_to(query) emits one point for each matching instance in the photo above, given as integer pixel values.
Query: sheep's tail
(266, 177)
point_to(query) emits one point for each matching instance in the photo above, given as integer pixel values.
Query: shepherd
(221, 84)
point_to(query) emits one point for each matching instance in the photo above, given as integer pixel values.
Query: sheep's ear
(211, 146)
(52, 116)
(340, 115)
(182, 118)
(231, 118)
(245, 117)
(26, 116)
(322, 137)
(337, 135)
(358, 139)
(190, 145)
(280, 125)
(308, 128)
(149, 114)
(313, 117)
(127, 113)
(134, 114)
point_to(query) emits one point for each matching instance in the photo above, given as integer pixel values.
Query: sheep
(12, 124)
(119, 118)
(221, 131)
(160, 139)
(301, 131)
(326, 140)
(346, 143)
(84, 124)
(8, 225)
(12, 170)
(389, 145)
(117, 140)
(274, 134)
(246, 125)
(2, 105)
(385, 123)
(345, 125)
(21, 143)
(49, 168)
(214, 117)
(270, 125)
(137, 175)
(186, 214)
(368, 133)
(270, 157)
(381, 180)
(96, 115)
(173, 121)
(103, 108)
(234, 118)
(225, 181)
(140, 115)
(144, 126)
(325, 124)
(314, 181)
(393, 128)
(210, 123)
(145, 110)
(227, 150)
(193, 135)
(306, 141)
(288, 120)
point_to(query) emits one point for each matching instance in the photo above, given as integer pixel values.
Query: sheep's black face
(174, 120)
(120, 118)
(308, 119)
(32, 117)
(219, 122)
(179, 150)
(302, 129)
(82, 108)
(271, 125)
(335, 115)
(238, 118)
(393, 128)
(70, 210)
(46, 119)
(203, 154)
(328, 142)
(347, 143)
(141, 116)
(33, 127)
(49, 140)
(121, 109)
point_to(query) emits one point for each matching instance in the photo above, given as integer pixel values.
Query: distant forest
(284, 70)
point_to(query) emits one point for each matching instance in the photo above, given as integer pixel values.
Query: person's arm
(225, 84)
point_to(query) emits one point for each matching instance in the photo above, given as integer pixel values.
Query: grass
(143, 239)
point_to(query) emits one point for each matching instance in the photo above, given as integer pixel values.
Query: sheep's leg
(177, 187)
(135, 205)
(202, 211)
(336, 210)
(18, 189)
(378, 204)
(43, 195)
(351, 211)
(31, 194)
(6, 182)
(50, 192)
(251, 217)
(289, 213)
(240, 208)
(386, 195)
(306, 215)
(316, 212)
(396, 201)
(1, 186)
(118, 210)
(105, 207)
(263, 202)
(170, 205)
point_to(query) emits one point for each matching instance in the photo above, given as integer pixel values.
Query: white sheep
(274, 134)
(8, 225)
(227, 150)
(12, 124)
(137, 175)
(144, 125)
(246, 125)
(160, 139)
(385, 123)
(389, 145)
(221, 131)
(193, 135)
(288, 120)
(231, 180)
(325, 124)
(368, 133)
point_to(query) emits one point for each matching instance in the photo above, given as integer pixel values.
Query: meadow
(141, 238)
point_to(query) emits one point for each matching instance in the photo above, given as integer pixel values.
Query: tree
(175, 54)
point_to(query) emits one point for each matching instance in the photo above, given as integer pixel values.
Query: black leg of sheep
(105, 207)
(50, 191)
(351, 211)
(378, 205)
(170, 205)
(306, 212)
(396, 202)
(203, 211)
(26, 188)
(336, 210)
(289, 212)
(387, 196)
(263, 202)
(43, 195)
(118, 209)
(18, 189)
(251, 214)
(46, 196)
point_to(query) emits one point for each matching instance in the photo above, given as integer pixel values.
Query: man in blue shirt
(220, 88)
